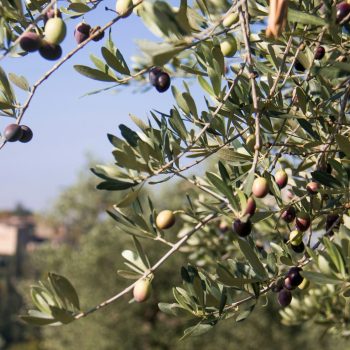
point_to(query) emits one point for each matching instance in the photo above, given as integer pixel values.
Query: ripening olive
(250, 207)
(228, 46)
(142, 290)
(82, 32)
(288, 215)
(260, 187)
(12, 133)
(55, 30)
(281, 178)
(302, 221)
(165, 219)
(312, 187)
(51, 14)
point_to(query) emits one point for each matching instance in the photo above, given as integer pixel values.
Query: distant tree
(78, 208)
(21, 210)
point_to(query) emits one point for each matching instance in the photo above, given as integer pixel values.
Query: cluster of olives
(159, 79)
(83, 31)
(15, 132)
(54, 33)
(342, 12)
(243, 226)
(284, 286)
(318, 55)
(302, 224)
(142, 288)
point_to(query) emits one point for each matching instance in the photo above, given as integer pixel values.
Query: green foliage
(93, 268)
(293, 103)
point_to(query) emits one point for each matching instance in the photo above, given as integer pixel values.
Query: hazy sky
(67, 127)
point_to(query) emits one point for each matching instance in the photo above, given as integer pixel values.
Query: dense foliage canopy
(271, 216)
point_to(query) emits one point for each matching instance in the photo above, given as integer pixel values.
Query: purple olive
(320, 52)
(250, 207)
(298, 248)
(153, 74)
(163, 82)
(298, 66)
(343, 10)
(284, 297)
(30, 42)
(27, 134)
(294, 276)
(52, 13)
(288, 215)
(50, 52)
(242, 228)
(82, 32)
(302, 221)
(99, 36)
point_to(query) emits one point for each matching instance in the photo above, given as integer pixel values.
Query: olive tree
(272, 215)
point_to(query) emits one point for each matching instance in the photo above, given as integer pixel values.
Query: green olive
(55, 30)
(228, 46)
(304, 285)
(124, 7)
(295, 237)
(231, 19)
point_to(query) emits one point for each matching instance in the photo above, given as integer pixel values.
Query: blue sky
(67, 127)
